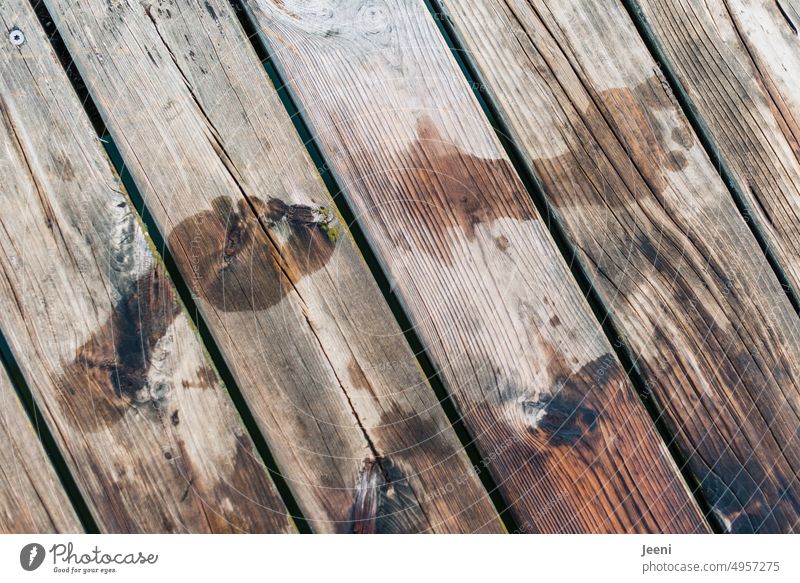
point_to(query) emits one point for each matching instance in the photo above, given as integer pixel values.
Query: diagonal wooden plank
(739, 60)
(349, 416)
(695, 300)
(146, 427)
(560, 427)
(31, 497)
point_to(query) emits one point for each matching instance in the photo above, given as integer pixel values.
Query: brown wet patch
(358, 378)
(502, 242)
(451, 188)
(238, 260)
(422, 446)
(633, 115)
(531, 476)
(583, 434)
(757, 501)
(548, 481)
(567, 414)
(622, 155)
(621, 151)
(109, 375)
(400, 510)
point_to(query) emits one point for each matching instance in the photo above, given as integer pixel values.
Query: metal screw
(16, 37)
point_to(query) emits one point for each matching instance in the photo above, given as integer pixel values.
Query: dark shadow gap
(182, 288)
(704, 134)
(46, 437)
(567, 249)
(453, 416)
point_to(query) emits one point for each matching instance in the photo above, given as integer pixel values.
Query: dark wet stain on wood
(621, 124)
(246, 485)
(652, 254)
(590, 425)
(310, 234)
(140, 320)
(733, 502)
(250, 486)
(622, 154)
(760, 498)
(249, 257)
(400, 511)
(450, 188)
(210, 9)
(109, 375)
(358, 378)
(567, 415)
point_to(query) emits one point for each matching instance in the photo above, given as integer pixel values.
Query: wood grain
(32, 499)
(678, 269)
(739, 61)
(355, 428)
(560, 427)
(146, 427)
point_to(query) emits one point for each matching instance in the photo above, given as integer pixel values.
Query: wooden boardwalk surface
(446, 266)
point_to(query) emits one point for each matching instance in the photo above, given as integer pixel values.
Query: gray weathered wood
(31, 496)
(355, 428)
(554, 414)
(146, 427)
(695, 300)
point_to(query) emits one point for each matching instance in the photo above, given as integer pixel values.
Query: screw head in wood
(16, 36)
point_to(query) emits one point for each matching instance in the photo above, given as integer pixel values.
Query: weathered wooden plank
(31, 496)
(350, 418)
(561, 428)
(739, 62)
(145, 425)
(709, 326)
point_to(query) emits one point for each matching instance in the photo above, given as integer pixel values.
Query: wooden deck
(400, 266)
